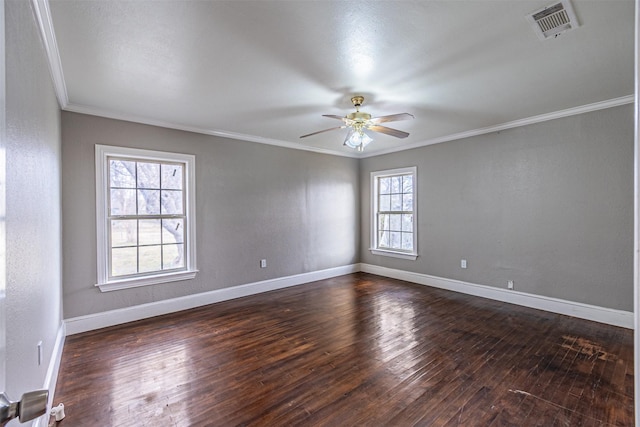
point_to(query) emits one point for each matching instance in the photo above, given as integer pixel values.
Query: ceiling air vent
(553, 20)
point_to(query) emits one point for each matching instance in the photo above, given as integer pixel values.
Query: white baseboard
(51, 377)
(91, 322)
(583, 311)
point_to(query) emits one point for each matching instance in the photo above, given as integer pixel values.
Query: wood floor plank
(467, 406)
(358, 350)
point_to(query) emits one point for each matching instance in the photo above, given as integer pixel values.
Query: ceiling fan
(359, 122)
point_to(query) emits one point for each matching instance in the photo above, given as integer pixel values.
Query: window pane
(150, 231)
(383, 222)
(123, 202)
(172, 202)
(383, 239)
(395, 222)
(394, 240)
(124, 261)
(407, 241)
(407, 202)
(171, 177)
(148, 202)
(384, 185)
(122, 174)
(385, 203)
(172, 230)
(407, 184)
(148, 175)
(396, 184)
(150, 258)
(124, 233)
(172, 256)
(407, 222)
(396, 202)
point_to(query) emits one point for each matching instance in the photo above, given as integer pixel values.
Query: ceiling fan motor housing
(359, 117)
(357, 100)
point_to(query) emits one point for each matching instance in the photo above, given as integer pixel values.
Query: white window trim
(102, 178)
(374, 209)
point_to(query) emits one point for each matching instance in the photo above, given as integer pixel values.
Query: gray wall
(297, 209)
(549, 206)
(33, 203)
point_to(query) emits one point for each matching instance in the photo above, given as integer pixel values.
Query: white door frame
(636, 228)
(3, 181)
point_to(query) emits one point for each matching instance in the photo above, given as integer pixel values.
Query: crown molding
(616, 102)
(509, 125)
(76, 108)
(83, 109)
(45, 24)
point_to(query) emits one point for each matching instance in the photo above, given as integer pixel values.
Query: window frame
(102, 155)
(394, 253)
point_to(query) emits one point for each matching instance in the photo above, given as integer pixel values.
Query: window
(394, 207)
(145, 206)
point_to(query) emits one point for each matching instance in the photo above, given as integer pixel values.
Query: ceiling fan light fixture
(358, 140)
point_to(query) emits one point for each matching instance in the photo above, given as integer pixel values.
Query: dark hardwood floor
(354, 350)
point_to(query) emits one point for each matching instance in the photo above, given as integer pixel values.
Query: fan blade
(389, 131)
(333, 116)
(392, 118)
(320, 131)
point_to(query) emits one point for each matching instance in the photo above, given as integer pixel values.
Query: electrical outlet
(463, 263)
(509, 284)
(263, 263)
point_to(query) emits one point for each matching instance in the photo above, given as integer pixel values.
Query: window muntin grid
(146, 218)
(395, 212)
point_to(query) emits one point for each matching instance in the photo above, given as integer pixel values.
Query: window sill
(116, 285)
(392, 254)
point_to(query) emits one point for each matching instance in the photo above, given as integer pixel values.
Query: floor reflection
(396, 336)
(148, 385)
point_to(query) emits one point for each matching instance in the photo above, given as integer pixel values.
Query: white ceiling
(266, 70)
